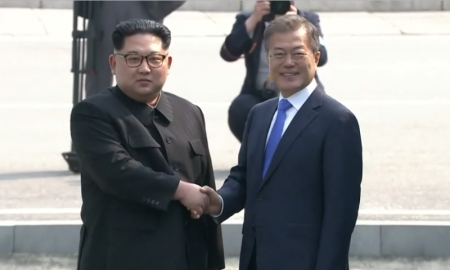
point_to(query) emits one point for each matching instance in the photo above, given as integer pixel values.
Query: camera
(279, 7)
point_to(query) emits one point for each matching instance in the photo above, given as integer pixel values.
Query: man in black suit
(144, 156)
(299, 170)
(246, 39)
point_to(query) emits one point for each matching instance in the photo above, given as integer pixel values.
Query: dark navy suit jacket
(239, 43)
(302, 214)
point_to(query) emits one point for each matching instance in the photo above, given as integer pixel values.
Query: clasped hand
(201, 200)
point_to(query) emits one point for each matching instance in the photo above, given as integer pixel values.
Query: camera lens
(279, 7)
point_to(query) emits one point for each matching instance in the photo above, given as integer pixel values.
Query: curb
(370, 238)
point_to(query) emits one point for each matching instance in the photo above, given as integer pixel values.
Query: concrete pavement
(390, 69)
(233, 5)
(27, 262)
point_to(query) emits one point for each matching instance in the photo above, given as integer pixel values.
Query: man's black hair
(140, 26)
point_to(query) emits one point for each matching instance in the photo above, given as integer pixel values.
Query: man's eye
(134, 58)
(155, 59)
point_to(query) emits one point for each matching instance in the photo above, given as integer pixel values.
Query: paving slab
(376, 239)
(20, 21)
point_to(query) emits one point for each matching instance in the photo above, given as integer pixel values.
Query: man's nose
(144, 67)
(289, 61)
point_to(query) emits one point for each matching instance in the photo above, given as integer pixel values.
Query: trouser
(238, 113)
(106, 18)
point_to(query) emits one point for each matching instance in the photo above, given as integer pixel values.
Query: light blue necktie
(276, 133)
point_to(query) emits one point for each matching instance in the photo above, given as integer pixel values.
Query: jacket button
(168, 140)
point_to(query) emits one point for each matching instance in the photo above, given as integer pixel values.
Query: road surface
(390, 69)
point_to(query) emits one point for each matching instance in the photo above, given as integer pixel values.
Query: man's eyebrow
(151, 53)
(295, 48)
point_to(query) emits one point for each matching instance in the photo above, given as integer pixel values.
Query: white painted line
(35, 106)
(22, 211)
(39, 222)
(35, 39)
(54, 211)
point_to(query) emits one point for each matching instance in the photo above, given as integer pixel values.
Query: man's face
(141, 81)
(292, 61)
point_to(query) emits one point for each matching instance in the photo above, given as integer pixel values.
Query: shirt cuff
(221, 210)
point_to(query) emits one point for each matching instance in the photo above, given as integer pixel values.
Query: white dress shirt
(297, 100)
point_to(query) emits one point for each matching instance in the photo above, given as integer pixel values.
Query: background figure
(107, 14)
(246, 39)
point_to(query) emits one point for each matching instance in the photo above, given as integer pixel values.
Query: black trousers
(238, 112)
(252, 264)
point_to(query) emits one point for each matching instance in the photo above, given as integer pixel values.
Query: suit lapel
(262, 131)
(302, 119)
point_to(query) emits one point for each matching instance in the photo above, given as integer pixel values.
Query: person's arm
(216, 256)
(103, 157)
(342, 176)
(239, 41)
(315, 20)
(234, 189)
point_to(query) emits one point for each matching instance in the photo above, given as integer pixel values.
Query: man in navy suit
(299, 170)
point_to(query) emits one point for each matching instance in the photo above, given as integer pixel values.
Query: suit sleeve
(234, 189)
(103, 157)
(342, 172)
(238, 42)
(315, 20)
(216, 256)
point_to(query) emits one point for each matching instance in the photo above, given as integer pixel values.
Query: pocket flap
(141, 140)
(197, 147)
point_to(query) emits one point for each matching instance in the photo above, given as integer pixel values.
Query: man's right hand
(261, 9)
(190, 196)
(215, 201)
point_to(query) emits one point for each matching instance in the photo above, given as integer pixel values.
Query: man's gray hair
(290, 23)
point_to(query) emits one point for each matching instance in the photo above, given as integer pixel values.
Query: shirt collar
(299, 98)
(144, 111)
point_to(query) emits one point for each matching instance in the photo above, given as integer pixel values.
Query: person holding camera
(245, 40)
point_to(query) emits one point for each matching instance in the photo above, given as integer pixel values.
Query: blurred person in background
(143, 156)
(245, 40)
(107, 14)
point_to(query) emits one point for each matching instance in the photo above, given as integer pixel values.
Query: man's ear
(317, 57)
(169, 61)
(112, 64)
(169, 64)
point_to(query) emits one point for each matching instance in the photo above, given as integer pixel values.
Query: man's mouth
(291, 74)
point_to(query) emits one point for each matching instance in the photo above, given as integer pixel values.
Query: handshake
(199, 200)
